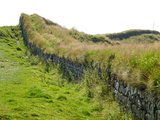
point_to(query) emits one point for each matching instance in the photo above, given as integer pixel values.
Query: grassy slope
(136, 58)
(29, 92)
(130, 33)
(58, 40)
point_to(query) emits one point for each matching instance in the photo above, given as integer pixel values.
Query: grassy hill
(31, 90)
(130, 33)
(61, 41)
(136, 54)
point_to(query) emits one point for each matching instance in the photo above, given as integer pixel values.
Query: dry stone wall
(143, 104)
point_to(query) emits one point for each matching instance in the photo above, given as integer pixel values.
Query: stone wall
(69, 67)
(143, 104)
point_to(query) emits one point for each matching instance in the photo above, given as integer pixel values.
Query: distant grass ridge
(130, 33)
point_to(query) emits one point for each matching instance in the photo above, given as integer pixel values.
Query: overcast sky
(90, 16)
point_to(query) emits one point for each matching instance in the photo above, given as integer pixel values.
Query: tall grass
(31, 89)
(95, 88)
(134, 61)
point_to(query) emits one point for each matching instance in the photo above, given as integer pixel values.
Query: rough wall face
(144, 105)
(69, 67)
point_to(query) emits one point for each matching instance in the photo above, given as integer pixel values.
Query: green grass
(131, 52)
(29, 91)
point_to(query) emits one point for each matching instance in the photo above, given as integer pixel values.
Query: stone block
(148, 117)
(116, 85)
(157, 115)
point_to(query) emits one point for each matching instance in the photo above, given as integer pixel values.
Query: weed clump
(37, 92)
